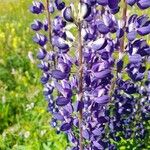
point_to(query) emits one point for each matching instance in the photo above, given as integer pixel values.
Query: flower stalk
(50, 28)
(124, 19)
(49, 22)
(80, 83)
(122, 43)
(98, 91)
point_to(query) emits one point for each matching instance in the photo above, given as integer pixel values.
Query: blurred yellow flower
(2, 36)
(15, 42)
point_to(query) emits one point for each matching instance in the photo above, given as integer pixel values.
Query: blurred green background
(24, 120)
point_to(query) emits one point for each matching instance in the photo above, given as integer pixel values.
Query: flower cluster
(129, 111)
(77, 59)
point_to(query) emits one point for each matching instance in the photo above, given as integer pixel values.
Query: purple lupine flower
(131, 2)
(41, 54)
(44, 66)
(102, 2)
(81, 76)
(132, 35)
(44, 78)
(37, 25)
(99, 44)
(37, 7)
(143, 4)
(60, 43)
(144, 30)
(62, 101)
(114, 6)
(59, 75)
(102, 28)
(51, 7)
(85, 10)
(40, 39)
(59, 4)
(68, 14)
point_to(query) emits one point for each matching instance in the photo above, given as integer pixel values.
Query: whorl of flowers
(83, 80)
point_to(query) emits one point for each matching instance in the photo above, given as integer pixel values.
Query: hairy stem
(80, 86)
(50, 28)
(122, 45)
(124, 18)
(49, 22)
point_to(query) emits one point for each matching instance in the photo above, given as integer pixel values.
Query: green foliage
(24, 121)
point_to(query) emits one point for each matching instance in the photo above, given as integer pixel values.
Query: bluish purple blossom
(94, 97)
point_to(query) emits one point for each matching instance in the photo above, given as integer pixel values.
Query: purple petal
(40, 39)
(136, 58)
(113, 3)
(102, 119)
(97, 145)
(41, 54)
(65, 84)
(44, 66)
(37, 25)
(48, 90)
(62, 101)
(102, 100)
(64, 67)
(85, 10)
(68, 15)
(131, 35)
(97, 131)
(102, 28)
(58, 87)
(78, 106)
(144, 30)
(147, 51)
(102, 2)
(71, 138)
(37, 7)
(102, 74)
(108, 21)
(119, 33)
(75, 148)
(143, 4)
(131, 2)
(142, 21)
(44, 78)
(51, 8)
(59, 4)
(76, 122)
(60, 43)
(57, 74)
(86, 134)
(58, 116)
(99, 44)
(64, 91)
(66, 126)
(69, 108)
(132, 18)
(115, 10)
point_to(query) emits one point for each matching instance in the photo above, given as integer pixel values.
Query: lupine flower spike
(95, 70)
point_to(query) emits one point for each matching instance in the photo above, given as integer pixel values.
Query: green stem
(80, 85)
(122, 45)
(50, 28)
(124, 18)
(49, 22)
